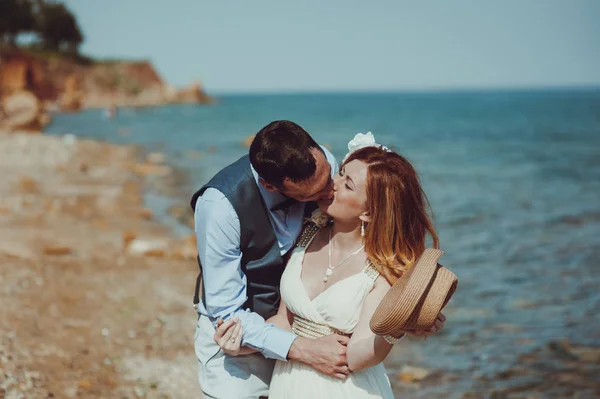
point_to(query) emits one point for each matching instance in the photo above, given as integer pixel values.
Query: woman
(374, 229)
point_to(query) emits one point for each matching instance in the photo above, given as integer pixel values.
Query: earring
(362, 229)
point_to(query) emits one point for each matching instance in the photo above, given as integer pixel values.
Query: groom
(247, 219)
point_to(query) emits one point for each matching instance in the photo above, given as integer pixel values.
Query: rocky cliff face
(70, 85)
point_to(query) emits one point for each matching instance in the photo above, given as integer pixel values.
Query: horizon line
(424, 90)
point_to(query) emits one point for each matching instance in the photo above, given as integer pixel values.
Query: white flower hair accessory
(360, 141)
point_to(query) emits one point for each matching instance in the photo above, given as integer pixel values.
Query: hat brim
(416, 299)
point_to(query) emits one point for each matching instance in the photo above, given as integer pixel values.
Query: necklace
(329, 267)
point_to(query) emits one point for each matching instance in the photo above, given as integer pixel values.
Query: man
(247, 219)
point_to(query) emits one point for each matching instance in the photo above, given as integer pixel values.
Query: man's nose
(335, 182)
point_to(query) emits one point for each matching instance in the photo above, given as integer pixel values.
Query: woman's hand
(437, 326)
(228, 336)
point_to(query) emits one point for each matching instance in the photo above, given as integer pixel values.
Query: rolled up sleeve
(224, 283)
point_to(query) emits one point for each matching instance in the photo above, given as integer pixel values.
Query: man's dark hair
(281, 150)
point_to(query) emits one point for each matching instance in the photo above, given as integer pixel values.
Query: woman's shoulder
(380, 282)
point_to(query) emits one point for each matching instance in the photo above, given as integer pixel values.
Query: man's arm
(218, 236)
(326, 354)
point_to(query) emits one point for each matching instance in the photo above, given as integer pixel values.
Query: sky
(348, 45)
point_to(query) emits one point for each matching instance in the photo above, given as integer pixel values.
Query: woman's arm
(283, 319)
(366, 349)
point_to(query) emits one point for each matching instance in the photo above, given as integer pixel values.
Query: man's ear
(266, 185)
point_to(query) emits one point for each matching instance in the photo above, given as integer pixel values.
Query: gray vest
(261, 262)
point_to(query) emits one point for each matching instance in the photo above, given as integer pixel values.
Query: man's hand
(228, 336)
(326, 354)
(437, 326)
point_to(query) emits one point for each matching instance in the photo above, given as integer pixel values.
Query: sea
(513, 178)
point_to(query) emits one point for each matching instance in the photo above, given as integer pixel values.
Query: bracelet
(392, 340)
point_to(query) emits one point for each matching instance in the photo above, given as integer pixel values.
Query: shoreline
(96, 293)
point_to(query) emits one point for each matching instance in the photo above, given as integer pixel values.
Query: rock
(157, 253)
(44, 119)
(70, 392)
(194, 93)
(57, 250)
(16, 250)
(178, 211)
(506, 328)
(194, 154)
(128, 236)
(22, 111)
(28, 185)
(586, 354)
(248, 141)
(146, 247)
(191, 239)
(524, 304)
(156, 158)
(183, 214)
(71, 98)
(146, 213)
(69, 139)
(101, 224)
(139, 392)
(147, 169)
(187, 251)
(562, 349)
(412, 374)
(85, 384)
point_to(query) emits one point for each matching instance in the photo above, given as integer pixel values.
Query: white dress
(336, 309)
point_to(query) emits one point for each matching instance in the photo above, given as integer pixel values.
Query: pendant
(327, 274)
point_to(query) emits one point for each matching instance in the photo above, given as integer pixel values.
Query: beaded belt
(309, 329)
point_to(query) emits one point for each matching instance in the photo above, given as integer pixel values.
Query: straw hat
(416, 299)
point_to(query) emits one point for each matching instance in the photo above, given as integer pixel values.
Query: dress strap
(371, 271)
(309, 232)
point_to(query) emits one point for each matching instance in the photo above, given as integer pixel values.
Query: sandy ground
(95, 295)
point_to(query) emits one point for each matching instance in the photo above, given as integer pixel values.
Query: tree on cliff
(16, 16)
(58, 28)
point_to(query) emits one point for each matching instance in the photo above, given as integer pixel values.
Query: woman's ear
(364, 217)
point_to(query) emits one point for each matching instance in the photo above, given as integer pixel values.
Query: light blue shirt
(218, 235)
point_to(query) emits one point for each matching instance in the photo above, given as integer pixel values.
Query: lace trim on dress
(310, 329)
(372, 271)
(308, 233)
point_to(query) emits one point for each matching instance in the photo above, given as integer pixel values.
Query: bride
(350, 253)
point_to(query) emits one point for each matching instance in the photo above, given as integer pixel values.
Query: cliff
(69, 84)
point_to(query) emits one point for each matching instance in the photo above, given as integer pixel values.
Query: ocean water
(513, 178)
